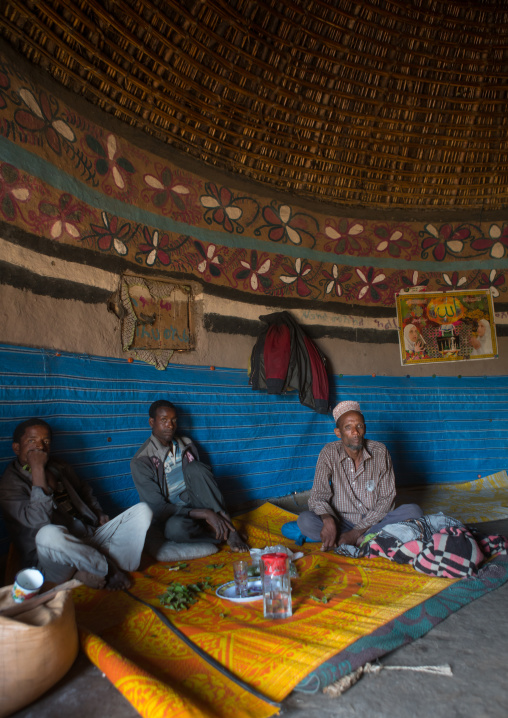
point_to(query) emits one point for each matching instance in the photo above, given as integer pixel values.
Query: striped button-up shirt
(362, 496)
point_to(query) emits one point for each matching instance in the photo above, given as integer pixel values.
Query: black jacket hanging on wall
(285, 358)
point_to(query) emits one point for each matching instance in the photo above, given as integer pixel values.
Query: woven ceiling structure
(374, 104)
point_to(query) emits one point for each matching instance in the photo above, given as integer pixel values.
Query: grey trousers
(60, 554)
(310, 524)
(201, 492)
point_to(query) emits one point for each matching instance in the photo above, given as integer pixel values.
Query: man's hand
(235, 541)
(103, 519)
(220, 524)
(328, 533)
(352, 537)
(37, 460)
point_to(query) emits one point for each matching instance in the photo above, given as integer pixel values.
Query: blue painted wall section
(438, 429)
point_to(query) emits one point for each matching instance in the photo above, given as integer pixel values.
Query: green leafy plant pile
(179, 597)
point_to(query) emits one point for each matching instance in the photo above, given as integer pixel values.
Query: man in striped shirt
(354, 486)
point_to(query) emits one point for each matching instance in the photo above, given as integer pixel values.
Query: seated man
(58, 525)
(354, 486)
(180, 490)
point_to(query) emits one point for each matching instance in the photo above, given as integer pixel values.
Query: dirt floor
(472, 642)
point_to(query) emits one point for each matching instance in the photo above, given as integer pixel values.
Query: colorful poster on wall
(446, 326)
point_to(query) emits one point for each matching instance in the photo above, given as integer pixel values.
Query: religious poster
(446, 326)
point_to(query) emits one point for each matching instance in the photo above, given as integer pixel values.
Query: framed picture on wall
(446, 326)
(157, 318)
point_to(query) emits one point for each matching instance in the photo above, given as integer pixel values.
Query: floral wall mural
(76, 183)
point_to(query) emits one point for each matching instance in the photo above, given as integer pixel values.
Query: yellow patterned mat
(161, 676)
(485, 499)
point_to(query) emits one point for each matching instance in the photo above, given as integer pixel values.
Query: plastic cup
(240, 571)
(27, 584)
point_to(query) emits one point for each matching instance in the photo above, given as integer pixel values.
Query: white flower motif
(333, 283)
(285, 217)
(153, 182)
(455, 246)
(63, 129)
(384, 244)
(21, 194)
(29, 99)
(120, 246)
(415, 285)
(210, 258)
(432, 230)
(153, 254)
(112, 147)
(59, 126)
(58, 227)
(461, 281)
(497, 250)
(180, 189)
(210, 202)
(333, 234)
(363, 291)
(288, 280)
(493, 289)
(298, 269)
(263, 269)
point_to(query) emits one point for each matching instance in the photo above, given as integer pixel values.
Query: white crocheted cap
(344, 407)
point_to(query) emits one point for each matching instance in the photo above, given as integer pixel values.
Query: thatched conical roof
(378, 104)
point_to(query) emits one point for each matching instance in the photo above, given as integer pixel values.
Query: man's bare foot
(117, 580)
(90, 579)
(236, 542)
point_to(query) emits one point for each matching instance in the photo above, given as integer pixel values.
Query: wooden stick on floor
(30, 603)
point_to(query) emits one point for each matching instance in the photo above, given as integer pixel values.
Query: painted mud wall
(85, 199)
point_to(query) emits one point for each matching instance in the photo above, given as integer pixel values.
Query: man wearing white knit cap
(354, 486)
